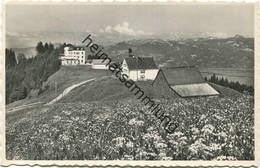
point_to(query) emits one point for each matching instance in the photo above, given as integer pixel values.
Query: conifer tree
(40, 48)
(46, 47)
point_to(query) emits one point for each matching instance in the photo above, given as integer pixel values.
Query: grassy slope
(77, 118)
(65, 77)
(73, 130)
(112, 89)
(104, 89)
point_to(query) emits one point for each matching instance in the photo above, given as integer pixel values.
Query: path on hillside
(23, 107)
(64, 93)
(67, 90)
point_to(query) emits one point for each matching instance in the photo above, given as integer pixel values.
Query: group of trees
(233, 85)
(40, 48)
(10, 60)
(27, 75)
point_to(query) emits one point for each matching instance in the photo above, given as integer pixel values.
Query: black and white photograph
(129, 82)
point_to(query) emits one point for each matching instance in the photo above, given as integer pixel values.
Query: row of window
(69, 61)
(77, 57)
(76, 52)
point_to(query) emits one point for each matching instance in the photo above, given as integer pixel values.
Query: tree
(19, 93)
(29, 75)
(46, 47)
(40, 48)
(243, 88)
(10, 58)
(20, 58)
(51, 47)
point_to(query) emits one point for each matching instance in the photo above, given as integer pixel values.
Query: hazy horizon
(27, 24)
(226, 19)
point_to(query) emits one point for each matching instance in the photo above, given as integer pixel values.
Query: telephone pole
(55, 87)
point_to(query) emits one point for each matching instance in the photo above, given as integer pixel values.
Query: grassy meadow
(209, 129)
(103, 121)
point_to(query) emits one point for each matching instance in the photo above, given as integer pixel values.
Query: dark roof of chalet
(186, 81)
(74, 47)
(134, 63)
(183, 75)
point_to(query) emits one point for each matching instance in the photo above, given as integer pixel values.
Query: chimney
(130, 52)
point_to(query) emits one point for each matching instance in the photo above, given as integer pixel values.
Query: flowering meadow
(216, 128)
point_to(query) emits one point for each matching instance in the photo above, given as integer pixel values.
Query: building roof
(134, 63)
(183, 75)
(199, 89)
(74, 47)
(100, 61)
(186, 82)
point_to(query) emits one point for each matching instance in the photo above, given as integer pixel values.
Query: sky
(136, 20)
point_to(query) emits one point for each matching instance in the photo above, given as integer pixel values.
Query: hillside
(103, 120)
(63, 78)
(102, 89)
(111, 89)
(232, 52)
(121, 129)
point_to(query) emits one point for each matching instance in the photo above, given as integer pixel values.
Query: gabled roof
(185, 82)
(135, 63)
(183, 75)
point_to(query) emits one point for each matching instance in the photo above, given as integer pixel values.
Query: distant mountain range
(24, 40)
(233, 52)
(204, 50)
(19, 40)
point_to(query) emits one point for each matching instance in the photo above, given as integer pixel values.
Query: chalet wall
(99, 66)
(125, 68)
(149, 74)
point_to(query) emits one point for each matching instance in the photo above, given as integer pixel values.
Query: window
(142, 71)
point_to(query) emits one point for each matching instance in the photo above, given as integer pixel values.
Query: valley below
(243, 76)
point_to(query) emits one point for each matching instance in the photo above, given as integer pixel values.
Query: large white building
(139, 68)
(73, 55)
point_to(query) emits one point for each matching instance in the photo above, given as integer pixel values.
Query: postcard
(130, 84)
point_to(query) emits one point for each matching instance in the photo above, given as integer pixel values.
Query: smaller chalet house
(184, 82)
(73, 55)
(139, 68)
